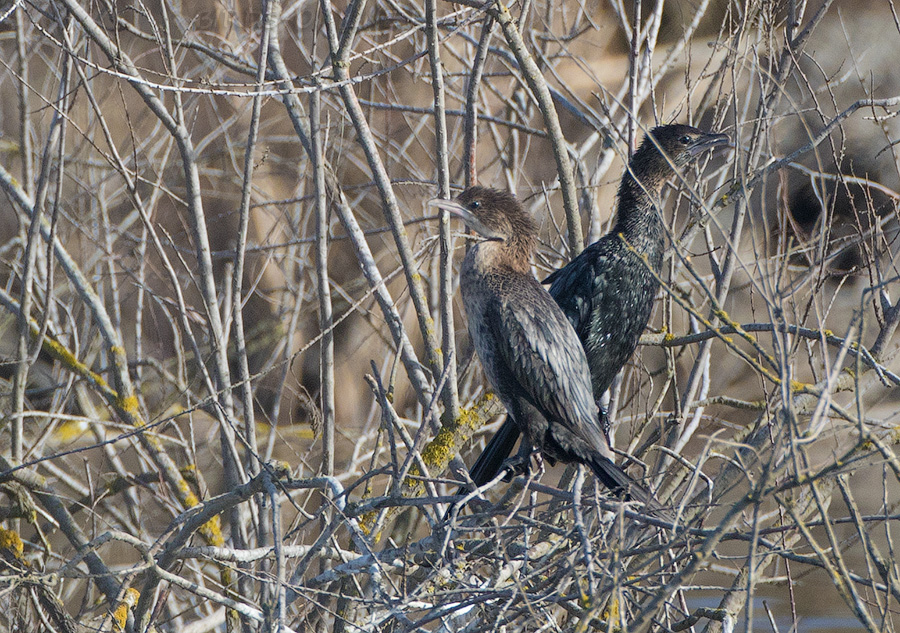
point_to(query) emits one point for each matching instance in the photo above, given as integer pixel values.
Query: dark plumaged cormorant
(530, 353)
(607, 291)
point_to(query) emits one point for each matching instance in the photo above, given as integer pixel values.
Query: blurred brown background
(802, 256)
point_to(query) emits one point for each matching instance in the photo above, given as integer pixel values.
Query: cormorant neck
(638, 220)
(513, 253)
(517, 252)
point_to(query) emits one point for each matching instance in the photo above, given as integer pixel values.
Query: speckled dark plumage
(530, 353)
(607, 291)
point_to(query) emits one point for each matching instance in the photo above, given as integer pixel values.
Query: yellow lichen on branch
(452, 436)
(438, 452)
(11, 544)
(120, 615)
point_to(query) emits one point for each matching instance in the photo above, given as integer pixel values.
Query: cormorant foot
(520, 464)
(515, 465)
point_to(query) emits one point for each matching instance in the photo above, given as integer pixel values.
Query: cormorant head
(669, 145)
(663, 150)
(496, 216)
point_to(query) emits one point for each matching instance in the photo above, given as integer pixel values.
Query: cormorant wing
(572, 286)
(545, 359)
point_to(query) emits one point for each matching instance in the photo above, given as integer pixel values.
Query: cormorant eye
(475, 204)
(686, 139)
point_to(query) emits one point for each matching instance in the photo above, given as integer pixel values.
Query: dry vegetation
(236, 387)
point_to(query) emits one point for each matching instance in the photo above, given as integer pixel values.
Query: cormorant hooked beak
(466, 216)
(709, 141)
